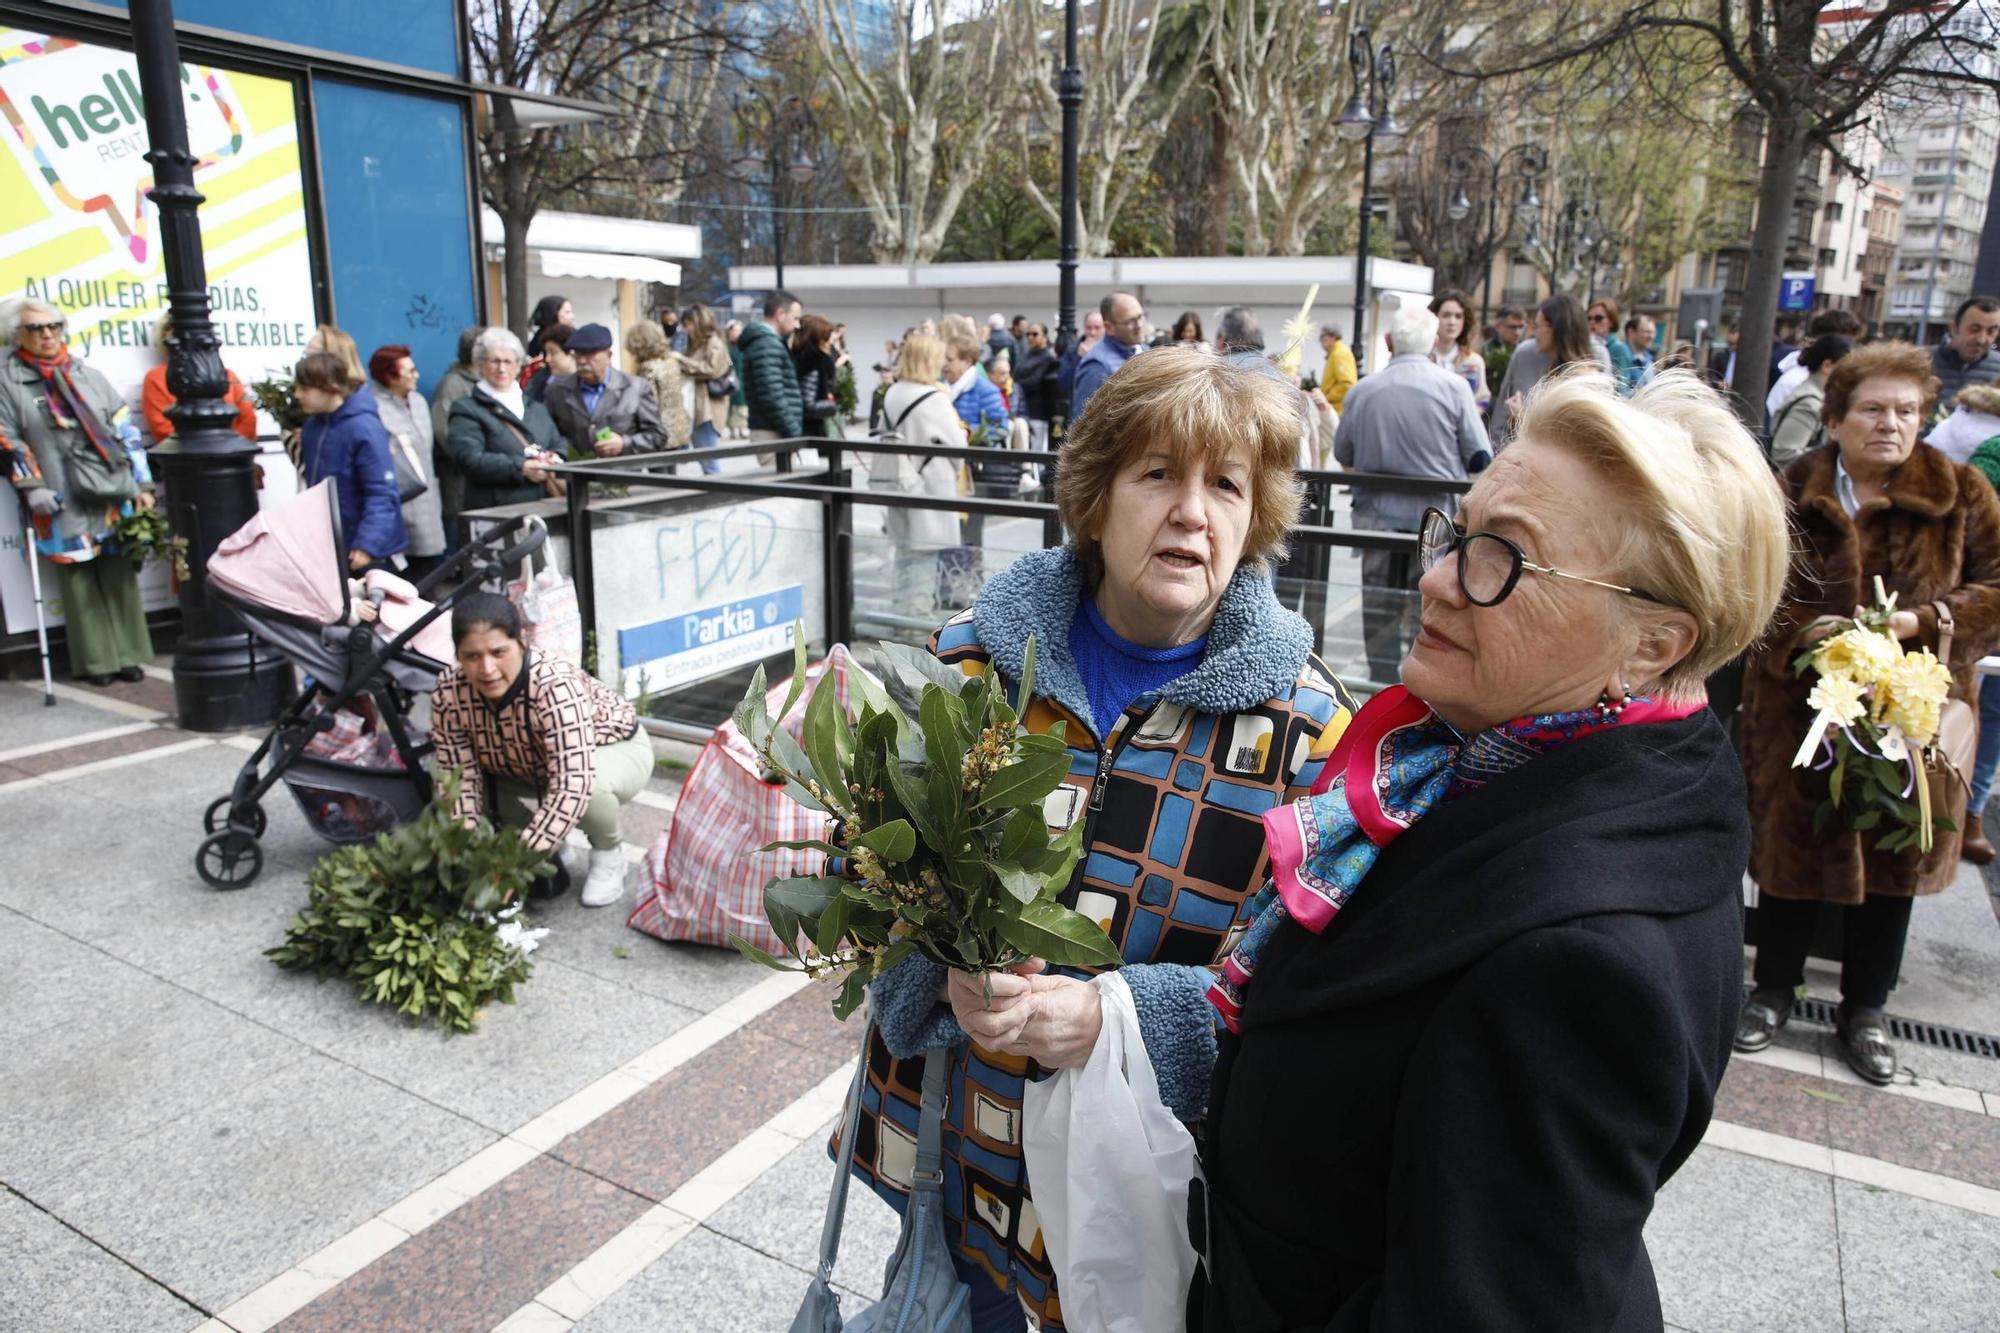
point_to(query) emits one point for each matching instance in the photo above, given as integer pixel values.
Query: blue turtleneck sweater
(1116, 671)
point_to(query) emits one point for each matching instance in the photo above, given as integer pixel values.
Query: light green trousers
(104, 620)
(623, 770)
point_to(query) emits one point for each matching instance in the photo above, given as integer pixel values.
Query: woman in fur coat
(1873, 502)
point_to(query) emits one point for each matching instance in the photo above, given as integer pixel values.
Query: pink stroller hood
(287, 558)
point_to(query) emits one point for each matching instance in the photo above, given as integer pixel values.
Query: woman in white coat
(918, 410)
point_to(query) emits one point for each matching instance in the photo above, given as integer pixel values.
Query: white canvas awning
(591, 264)
(589, 233)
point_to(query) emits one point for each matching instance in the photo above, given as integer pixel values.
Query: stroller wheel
(229, 860)
(217, 817)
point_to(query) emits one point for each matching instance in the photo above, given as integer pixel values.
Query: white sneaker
(606, 884)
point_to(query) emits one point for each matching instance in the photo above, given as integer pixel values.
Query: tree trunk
(1215, 225)
(514, 266)
(1777, 190)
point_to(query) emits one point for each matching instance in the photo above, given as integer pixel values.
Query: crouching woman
(560, 749)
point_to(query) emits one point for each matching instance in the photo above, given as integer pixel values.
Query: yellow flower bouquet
(1875, 711)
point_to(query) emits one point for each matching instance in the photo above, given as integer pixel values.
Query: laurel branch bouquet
(933, 797)
(1875, 710)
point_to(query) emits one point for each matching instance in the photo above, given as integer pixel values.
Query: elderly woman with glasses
(1191, 700)
(1481, 1015)
(68, 444)
(503, 443)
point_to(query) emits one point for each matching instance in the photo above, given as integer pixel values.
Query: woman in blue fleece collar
(1192, 702)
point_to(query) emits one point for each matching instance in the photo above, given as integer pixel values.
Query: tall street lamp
(788, 121)
(1531, 161)
(1369, 117)
(1069, 95)
(223, 679)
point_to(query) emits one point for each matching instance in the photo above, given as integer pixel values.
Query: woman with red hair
(407, 418)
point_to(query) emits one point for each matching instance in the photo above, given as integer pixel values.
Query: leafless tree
(657, 65)
(913, 121)
(1813, 79)
(1125, 112)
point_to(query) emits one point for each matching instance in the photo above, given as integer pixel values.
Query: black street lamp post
(223, 678)
(1369, 117)
(1532, 161)
(1069, 95)
(787, 120)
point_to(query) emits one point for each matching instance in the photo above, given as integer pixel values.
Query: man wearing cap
(600, 409)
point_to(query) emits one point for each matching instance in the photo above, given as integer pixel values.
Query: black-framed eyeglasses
(54, 326)
(1489, 565)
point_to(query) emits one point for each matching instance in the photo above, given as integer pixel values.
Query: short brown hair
(324, 370)
(1197, 404)
(814, 330)
(1883, 360)
(964, 346)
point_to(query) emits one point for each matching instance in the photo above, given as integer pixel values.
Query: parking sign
(1796, 292)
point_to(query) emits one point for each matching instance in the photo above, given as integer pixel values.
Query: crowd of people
(1495, 912)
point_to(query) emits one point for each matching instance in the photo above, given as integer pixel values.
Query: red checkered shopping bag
(705, 873)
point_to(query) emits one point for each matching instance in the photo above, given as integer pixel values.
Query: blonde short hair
(1707, 531)
(646, 341)
(1197, 405)
(341, 344)
(920, 360)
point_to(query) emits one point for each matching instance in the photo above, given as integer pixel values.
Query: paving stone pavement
(192, 1139)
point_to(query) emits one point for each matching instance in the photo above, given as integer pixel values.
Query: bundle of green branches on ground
(279, 399)
(934, 800)
(425, 919)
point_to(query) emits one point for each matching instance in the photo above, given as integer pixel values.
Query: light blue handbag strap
(836, 1203)
(928, 1175)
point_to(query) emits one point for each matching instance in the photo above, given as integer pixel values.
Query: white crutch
(41, 616)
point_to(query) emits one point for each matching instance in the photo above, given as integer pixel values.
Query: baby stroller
(349, 748)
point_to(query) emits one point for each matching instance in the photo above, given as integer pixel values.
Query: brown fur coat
(1935, 538)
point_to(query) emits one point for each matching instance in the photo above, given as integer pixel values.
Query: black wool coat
(1452, 1109)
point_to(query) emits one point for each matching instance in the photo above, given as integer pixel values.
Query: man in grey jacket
(1411, 418)
(600, 409)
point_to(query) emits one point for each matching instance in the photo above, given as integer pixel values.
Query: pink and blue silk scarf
(1396, 763)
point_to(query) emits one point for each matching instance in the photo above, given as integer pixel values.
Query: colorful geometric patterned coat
(1173, 851)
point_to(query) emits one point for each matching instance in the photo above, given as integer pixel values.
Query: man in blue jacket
(1124, 333)
(980, 405)
(1093, 333)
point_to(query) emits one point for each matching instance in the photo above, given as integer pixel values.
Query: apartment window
(1927, 198)
(1929, 164)
(1827, 258)
(1834, 211)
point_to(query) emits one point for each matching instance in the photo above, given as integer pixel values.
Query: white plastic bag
(1109, 1168)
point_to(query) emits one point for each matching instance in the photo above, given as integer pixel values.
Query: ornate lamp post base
(223, 678)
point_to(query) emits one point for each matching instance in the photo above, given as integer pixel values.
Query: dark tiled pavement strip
(143, 1025)
(90, 752)
(480, 1263)
(1943, 1140)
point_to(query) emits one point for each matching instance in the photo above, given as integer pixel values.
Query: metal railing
(832, 486)
(662, 487)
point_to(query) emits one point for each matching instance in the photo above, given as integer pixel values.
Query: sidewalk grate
(1935, 1035)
